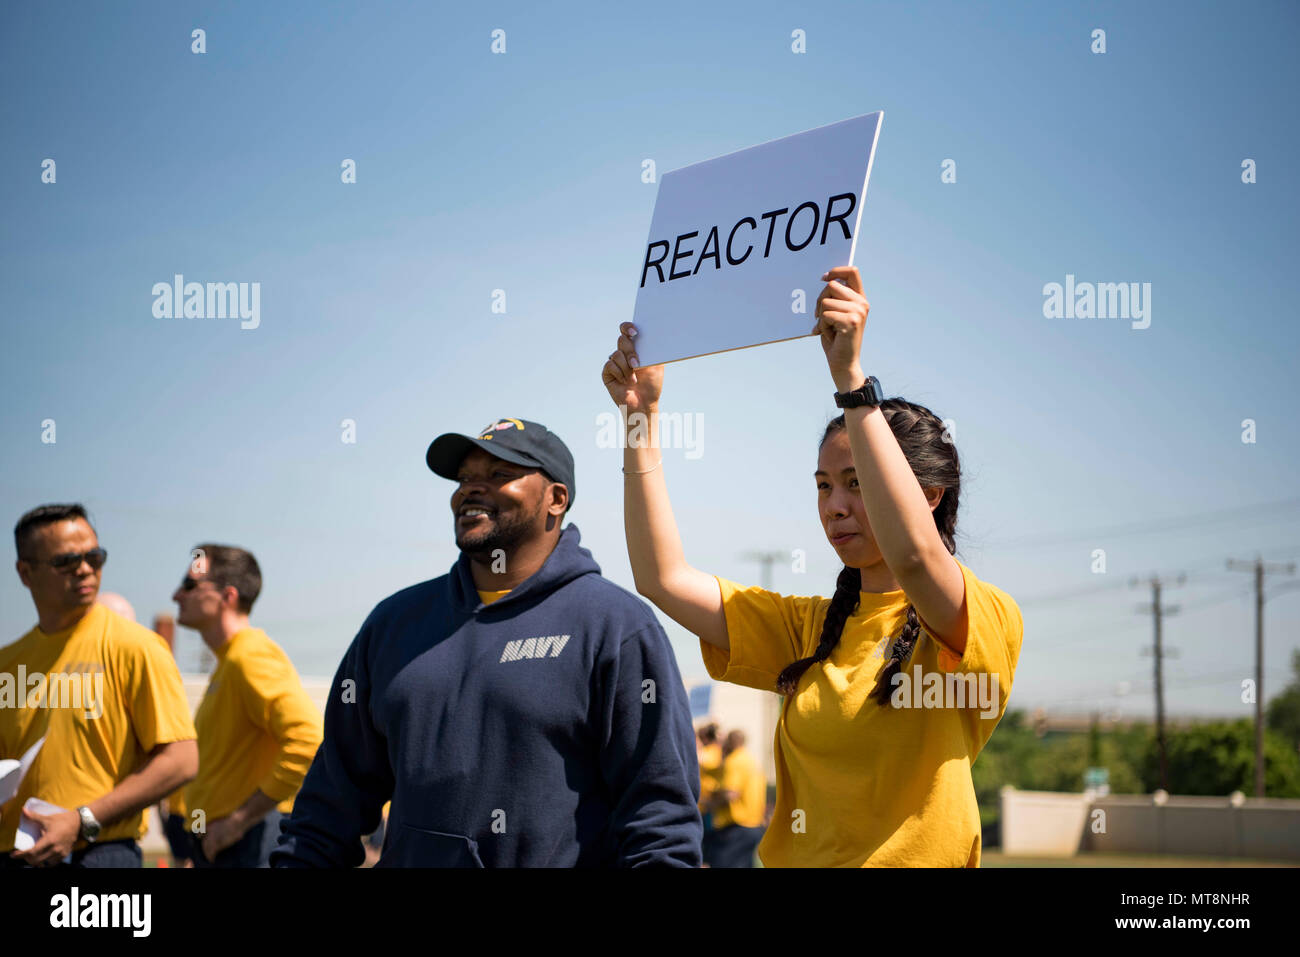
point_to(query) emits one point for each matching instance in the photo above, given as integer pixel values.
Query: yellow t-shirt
(488, 597)
(176, 801)
(109, 693)
(861, 784)
(740, 773)
(258, 729)
(710, 758)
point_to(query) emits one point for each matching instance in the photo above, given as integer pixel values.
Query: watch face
(89, 826)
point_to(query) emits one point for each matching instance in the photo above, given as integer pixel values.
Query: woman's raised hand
(841, 317)
(630, 385)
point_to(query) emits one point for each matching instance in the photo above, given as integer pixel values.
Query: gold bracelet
(644, 471)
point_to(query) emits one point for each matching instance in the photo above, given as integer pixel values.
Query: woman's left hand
(841, 316)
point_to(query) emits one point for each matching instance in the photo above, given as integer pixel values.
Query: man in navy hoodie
(518, 711)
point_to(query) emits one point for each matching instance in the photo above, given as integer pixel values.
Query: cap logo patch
(500, 424)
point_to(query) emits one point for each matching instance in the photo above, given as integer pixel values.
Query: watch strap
(867, 394)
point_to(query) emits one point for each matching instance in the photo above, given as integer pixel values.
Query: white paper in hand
(29, 832)
(13, 771)
(8, 778)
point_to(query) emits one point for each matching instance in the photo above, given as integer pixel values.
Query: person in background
(171, 809)
(115, 602)
(258, 729)
(738, 806)
(111, 720)
(708, 750)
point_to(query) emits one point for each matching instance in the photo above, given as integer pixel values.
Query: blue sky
(522, 172)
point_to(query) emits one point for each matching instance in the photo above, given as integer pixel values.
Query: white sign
(738, 244)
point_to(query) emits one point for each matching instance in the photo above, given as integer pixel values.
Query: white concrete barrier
(1049, 823)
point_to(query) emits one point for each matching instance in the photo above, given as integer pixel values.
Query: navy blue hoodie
(548, 729)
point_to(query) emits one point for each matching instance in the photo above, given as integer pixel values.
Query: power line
(1125, 624)
(1071, 594)
(1281, 589)
(1210, 678)
(1241, 515)
(1196, 572)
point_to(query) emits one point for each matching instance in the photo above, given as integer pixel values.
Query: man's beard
(505, 535)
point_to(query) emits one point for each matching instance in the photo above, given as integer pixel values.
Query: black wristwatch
(869, 393)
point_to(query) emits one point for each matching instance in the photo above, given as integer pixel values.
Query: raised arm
(895, 503)
(685, 594)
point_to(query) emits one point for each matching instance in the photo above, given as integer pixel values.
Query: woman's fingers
(836, 293)
(842, 300)
(847, 275)
(619, 359)
(628, 348)
(833, 320)
(612, 373)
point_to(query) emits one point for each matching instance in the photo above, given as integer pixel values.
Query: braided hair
(933, 457)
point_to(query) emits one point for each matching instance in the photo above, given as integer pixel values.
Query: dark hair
(228, 565)
(43, 515)
(933, 457)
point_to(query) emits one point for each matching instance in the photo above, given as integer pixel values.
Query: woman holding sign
(892, 685)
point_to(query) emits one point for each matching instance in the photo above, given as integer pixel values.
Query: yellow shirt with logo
(740, 773)
(109, 693)
(859, 783)
(488, 597)
(258, 729)
(710, 758)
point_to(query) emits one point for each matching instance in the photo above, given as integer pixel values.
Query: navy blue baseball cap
(515, 440)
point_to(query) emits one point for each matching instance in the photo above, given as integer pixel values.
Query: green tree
(1015, 755)
(1218, 758)
(1283, 714)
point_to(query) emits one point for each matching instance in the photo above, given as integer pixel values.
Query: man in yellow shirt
(94, 701)
(738, 807)
(258, 729)
(708, 751)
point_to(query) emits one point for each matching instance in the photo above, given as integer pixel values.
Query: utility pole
(765, 561)
(1260, 568)
(1159, 653)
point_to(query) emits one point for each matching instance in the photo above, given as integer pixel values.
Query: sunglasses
(189, 584)
(71, 561)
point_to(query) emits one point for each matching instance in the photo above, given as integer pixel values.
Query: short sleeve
(160, 712)
(993, 628)
(767, 631)
(276, 702)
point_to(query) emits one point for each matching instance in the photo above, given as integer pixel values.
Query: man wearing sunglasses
(521, 710)
(258, 729)
(96, 698)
